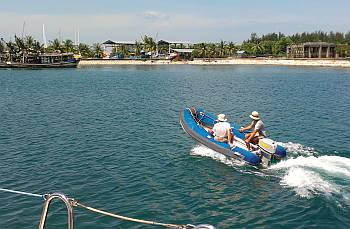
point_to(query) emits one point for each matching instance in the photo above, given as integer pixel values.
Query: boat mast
(24, 25)
(44, 37)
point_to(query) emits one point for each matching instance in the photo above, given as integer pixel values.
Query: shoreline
(236, 61)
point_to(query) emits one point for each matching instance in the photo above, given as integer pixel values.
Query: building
(312, 50)
(182, 54)
(164, 48)
(110, 45)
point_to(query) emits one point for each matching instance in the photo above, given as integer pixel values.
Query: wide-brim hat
(254, 115)
(222, 118)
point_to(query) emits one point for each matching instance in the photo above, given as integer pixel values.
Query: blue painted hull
(195, 127)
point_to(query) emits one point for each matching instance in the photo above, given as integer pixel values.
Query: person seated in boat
(222, 130)
(258, 129)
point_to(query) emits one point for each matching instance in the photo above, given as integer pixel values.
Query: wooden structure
(163, 47)
(130, 45)
(312, 50)
(182, 54)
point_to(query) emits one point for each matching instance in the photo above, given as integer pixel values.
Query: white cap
(222, 118)
(255, 115)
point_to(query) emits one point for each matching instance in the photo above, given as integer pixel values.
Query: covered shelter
(182, 54)
(109, 45)
(312, 50)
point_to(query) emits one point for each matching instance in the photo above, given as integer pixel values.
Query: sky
(180, 20)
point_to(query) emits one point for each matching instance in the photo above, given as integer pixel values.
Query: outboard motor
(268, 149)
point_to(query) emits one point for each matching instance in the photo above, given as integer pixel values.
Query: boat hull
(196, 126)
(38, 66)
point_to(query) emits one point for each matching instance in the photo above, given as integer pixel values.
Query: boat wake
(206, 152)
(239, 165)
(304, 171)
(310, 175)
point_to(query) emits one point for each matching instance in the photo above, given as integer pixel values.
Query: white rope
(130, 219)
(22, 193)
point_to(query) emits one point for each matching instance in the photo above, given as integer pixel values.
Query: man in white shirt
(259, 129)
(222, 130)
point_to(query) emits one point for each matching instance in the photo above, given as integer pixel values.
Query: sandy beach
(237, 61)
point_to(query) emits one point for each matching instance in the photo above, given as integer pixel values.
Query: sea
(110, 138)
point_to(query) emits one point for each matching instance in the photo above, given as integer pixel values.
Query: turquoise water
(110, 138)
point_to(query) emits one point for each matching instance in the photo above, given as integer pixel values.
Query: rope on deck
(130, 219)
(74, 203)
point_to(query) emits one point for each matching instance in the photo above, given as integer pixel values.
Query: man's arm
(229, 135)
(246, 128)
(251, 136)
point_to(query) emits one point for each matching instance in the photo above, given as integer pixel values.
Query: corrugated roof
(183, 50)
(110, 42)
(180, 42)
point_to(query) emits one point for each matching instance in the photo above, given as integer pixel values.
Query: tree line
(20, 47)
(271, 44)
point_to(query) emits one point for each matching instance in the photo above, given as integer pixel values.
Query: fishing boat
(198, 124)
(50, 60)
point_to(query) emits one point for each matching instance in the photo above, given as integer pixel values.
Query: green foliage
(68, 46)
(55, 46)
(138, 48)
(271, 44)
(2, 46)
(97, 50)
(85, 51)
(149, 45)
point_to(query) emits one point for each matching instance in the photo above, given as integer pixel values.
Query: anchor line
(132, 219)
(23, 193)
(75, 203)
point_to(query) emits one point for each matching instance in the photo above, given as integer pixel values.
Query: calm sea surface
(110, 138)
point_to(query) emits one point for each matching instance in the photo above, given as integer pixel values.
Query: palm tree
(12, 48)
(231, 48)
(97, 50)
(55, 46)
(222, 48)
(85, 50)
(124, 50)
(203, 49)
(2, 46)
(149, 44)
(29, 42)
(68, 46)
(211, 50)
(257, 48)
(22, 48)
(138, 48)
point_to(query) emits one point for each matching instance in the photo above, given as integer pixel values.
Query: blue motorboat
(198, 124)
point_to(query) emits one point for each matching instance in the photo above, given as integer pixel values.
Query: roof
(110, 42)
(183, 50)
(56, 54)
(175, 42)
(318, 44)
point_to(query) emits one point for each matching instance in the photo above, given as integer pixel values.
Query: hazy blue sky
(181, 20)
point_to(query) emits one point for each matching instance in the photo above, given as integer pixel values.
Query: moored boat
(53, 60)
(198, 123)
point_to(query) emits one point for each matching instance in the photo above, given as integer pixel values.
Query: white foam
(305, 173)
(238, 165)
(296, 149)
(206, 152)
(307, 183)
(309, 176)
(334, 165)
